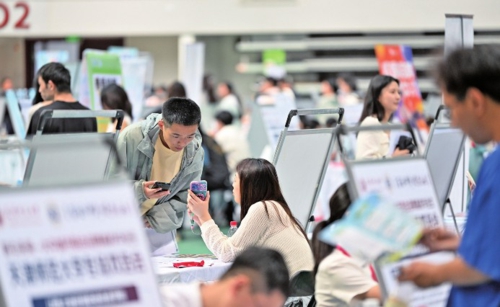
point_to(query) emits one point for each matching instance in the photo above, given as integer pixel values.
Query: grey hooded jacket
(136, 145)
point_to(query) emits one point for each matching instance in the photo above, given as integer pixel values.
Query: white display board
(442, 153)
(84, 158)
(301, 164)
(75, 246)
(408, 182)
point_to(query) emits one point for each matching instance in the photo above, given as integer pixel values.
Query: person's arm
(374, 292)
(457, 272)
(251, 230)
(168, 215)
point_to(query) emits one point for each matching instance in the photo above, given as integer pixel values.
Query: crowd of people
(270, 246)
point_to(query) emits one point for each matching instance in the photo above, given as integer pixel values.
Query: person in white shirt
(340, 278)
(229, 137)
(266, 219)
(381, 101)
(229, 101)
(257, 277)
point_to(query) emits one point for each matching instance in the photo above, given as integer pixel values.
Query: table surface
(167, 273)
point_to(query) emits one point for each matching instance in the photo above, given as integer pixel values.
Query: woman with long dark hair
(266, 219)
(381, 101)
(340, 278)
(114, 97)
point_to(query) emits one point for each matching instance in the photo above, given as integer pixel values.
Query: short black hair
(466, 68)
(224, 117)
(58, 74)
(182, 111)
(331, 122)
(267, 264)
(273, 81)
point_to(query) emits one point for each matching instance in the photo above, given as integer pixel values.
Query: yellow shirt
(166, 164)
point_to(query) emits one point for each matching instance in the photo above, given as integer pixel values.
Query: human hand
(199, 207)
(153, 193)
(146, 223)
(399, 153)
(438, 239)
(421, 274)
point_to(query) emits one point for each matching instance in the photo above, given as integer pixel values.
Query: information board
(75, 246)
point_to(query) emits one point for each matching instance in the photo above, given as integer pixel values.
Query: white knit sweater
(260, 230)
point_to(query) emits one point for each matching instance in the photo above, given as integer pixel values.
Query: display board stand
(92, 164)
(444, 150)
(301, 159)
(407, 182)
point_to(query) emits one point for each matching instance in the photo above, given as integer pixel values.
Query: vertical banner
(98, 69)
(192, 74)
(103, 69)
(79, 246)
(397, 61)
(135, 69)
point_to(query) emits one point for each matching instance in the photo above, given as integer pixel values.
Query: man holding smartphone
(164, 151)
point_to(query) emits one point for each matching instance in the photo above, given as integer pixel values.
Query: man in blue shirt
(470, 82)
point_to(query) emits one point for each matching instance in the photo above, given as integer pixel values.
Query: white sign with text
(409, 184)
(74, 246)
(406, 182)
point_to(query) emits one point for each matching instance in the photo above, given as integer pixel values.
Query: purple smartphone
(199, 188)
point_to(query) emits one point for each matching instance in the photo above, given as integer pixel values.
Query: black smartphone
(163, 185)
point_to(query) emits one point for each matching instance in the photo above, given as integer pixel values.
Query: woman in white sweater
(381, 101)
(266, 219)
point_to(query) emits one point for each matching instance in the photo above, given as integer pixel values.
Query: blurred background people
(229, 137)
(55, 84)
(328, 99)
(347, 90)
(229, 101)
(114, 97)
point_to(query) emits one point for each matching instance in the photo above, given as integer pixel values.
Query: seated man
(257, 277)
(55, 84)
(167, 148)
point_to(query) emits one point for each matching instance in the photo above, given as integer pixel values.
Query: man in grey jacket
(166, 148)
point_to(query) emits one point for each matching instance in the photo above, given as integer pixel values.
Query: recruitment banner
(74, 246)
(397, 61)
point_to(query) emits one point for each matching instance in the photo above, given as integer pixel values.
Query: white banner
(78, 246)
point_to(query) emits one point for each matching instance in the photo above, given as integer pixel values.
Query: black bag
(405, 142)
(215, 169)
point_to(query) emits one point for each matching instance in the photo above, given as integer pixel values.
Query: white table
(168, 274)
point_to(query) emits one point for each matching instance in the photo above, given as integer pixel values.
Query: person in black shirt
(55, 84)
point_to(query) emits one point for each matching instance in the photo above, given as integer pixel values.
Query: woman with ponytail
(340, 278)
(381, 101)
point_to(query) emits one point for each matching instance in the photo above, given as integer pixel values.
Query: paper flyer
(372, 227)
